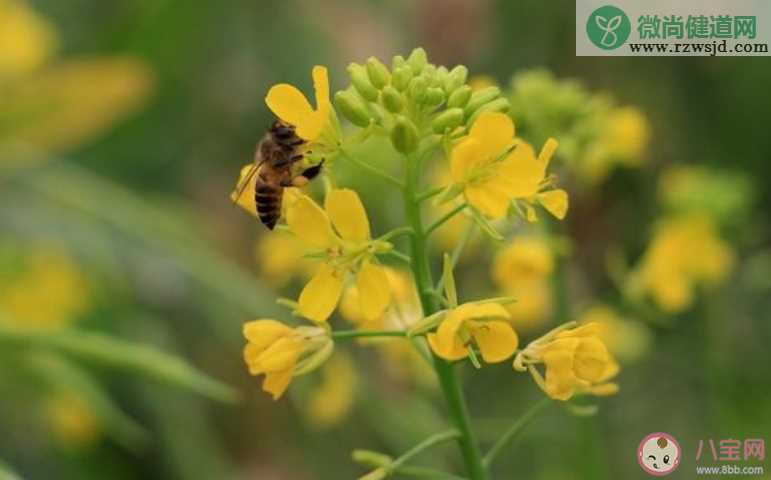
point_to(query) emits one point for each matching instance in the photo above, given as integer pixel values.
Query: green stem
(423, 196)
(347, 334)
(423, 280)
(458, 251)
(446, 218)
(425, 444)
(515, 428)
(373, 170)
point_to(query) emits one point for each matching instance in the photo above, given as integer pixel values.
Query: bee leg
(307, 175)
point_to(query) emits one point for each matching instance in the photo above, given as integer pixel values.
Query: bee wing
(245, 181)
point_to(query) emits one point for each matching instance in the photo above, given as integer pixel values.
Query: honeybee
(274, 162)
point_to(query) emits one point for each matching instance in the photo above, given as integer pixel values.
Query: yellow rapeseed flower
(340, 233)
(48, 274)
(290, 105)
(493, 169)
(685, 252)
(71, 419)
(628, 340)
(483, 324)
(576, 360)
(26, 39)
(522, 270)
(281, 352)
(279, 255)
(330, 402)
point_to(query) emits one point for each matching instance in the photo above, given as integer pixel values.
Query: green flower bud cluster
(414, 99)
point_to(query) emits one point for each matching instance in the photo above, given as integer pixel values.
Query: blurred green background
(133, 211)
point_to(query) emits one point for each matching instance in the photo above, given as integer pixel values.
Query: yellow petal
(374, 291)
(27, 40)
(320, 296)
(590, 329)
(281, 355)
(560, 380)
(309, 222)
(321, 87)
(455, 350)
(464, 157)
(481, 311)
(522, 171)
(262, 333)
(312, 124)
(604, 389)
(555, 202)
(347, 214)
(591, 359)
(547, 151)
(488, 198)
(288, 103)
(243, 195)
(496, 340)
(446, 342)
(276, 383)
(494, 131)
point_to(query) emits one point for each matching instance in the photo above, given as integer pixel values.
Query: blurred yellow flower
(71, 420)
(526, 259)
(483, 324)
(493, 169)
(628, 135)
(478, 82)
(341, 233)
(622, 138)
(281, 352)
(330, 402)
(686, 251)
(55, 107)
(627, 340)
(49, 293)
(576, 361)
(290, 105)
(280, 258)
(522, 270)
(26, 39)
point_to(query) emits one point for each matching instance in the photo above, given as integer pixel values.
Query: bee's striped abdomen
(268, 200)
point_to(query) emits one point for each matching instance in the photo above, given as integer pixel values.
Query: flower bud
(392, 99)
(480, 97)
(498, 105)
(447, 120)
(417, 60)
(360, 81)
(378, 73)
(401, 77)
(429, 73)
(418, 87)
(456, 78)
(373, 459)
(460, 97)
(440, 77)
(404, 135)
(398, 61)
(352, 107)
(434, 96)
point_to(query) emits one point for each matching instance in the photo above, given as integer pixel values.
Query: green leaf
(6, 473)
(110, 352)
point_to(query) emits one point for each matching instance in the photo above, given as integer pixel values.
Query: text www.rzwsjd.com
(712, 49)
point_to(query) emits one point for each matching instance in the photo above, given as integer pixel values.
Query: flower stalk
(421, 270)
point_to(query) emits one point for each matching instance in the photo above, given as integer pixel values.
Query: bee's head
(282, 130)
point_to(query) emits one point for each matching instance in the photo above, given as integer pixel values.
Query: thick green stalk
(421, 271)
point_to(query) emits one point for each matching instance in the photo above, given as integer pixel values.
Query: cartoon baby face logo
(659, 454)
